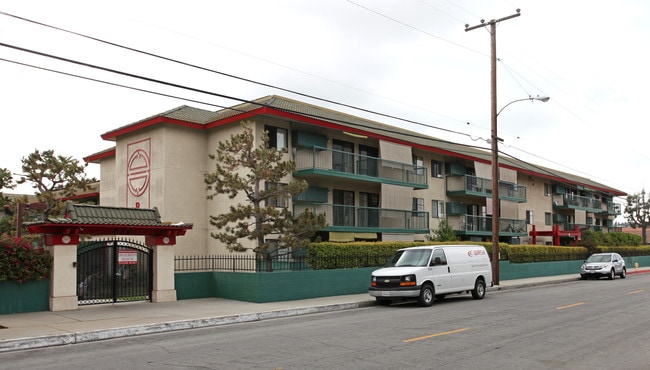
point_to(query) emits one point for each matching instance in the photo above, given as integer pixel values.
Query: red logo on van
(476, 252)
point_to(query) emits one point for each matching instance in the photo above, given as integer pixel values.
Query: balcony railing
(571, 226)
(329, 162)
(472, 185)
(482, 225)
(368, 219)
(578, 202)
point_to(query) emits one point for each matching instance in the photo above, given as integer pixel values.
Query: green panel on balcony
(313, 194)
(455, 208)
(302, 139)
(558, 189)
(455, 169)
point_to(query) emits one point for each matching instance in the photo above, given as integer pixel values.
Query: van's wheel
(612, 274)
(623, 273)
(479, 289)
(426, 296)
(383, 302)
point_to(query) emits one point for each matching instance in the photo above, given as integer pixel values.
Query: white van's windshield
(410, 257)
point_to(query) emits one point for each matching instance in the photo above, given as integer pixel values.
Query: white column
(163, 274)
(63, 277)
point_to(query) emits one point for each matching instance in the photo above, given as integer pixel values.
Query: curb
(96, 335)
(533, 284)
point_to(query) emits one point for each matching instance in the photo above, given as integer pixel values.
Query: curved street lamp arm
(543, 99)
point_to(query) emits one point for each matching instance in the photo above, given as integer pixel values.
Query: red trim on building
(95, 158)
(58, 230)
(150, 122)
(82, 196)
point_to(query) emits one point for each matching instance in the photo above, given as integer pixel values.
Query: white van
(430, 272)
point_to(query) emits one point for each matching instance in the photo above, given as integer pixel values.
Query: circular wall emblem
(137, 173)
(66, 239)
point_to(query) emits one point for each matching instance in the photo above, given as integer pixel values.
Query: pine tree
(637, 212)
(257, 173)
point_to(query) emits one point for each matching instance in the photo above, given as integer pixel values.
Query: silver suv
(603, 264)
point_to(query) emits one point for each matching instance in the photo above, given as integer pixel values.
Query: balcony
(368, 219)
(481, 225)
(569, 201)
(477, 186)
(613, 209)
(319, 161)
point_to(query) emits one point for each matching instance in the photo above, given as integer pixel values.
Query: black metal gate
(110, 271)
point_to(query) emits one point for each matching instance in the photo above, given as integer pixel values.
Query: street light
(495, 186)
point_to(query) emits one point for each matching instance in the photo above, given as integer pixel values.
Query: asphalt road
(577, 325)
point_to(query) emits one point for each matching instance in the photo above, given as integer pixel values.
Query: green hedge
(328, 255)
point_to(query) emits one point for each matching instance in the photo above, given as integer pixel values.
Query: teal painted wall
(274, 286)
(31, 296)
(193, 285)
(511, 271)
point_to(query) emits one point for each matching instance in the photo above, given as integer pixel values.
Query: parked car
(603, 264)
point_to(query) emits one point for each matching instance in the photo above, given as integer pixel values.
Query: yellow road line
(635, 291)
(569, 305)
(436, 335)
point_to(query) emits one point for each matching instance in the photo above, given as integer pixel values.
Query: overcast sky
(409, 58)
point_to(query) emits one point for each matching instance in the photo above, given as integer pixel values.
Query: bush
(329, 255)
(591, 239)
(19, 261)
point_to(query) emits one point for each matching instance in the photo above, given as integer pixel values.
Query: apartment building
(373, 181)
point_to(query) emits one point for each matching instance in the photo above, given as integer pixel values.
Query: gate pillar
(163, 289)
(63, 275)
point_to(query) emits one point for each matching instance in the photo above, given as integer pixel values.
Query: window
(277, 138)
(548, 219)
(436, 168)
(343, 207)
(437, 209)
(369, 209)
(279, 196)
(547, 190)
(529, 217)
(342, 156)
(438, 257)
(418, 163)
(418, 204)
(368, 161)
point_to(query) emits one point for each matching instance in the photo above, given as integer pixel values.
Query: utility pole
(495, 139)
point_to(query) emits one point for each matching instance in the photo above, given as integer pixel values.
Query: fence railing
(277, 262)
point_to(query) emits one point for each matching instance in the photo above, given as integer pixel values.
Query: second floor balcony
(482, 187)
(570, 201)
(319, 161)
(368, 219)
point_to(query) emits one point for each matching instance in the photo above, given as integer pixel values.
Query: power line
(241, 100)
(230, 75)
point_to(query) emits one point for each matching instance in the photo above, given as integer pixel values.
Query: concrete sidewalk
(92, 323)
